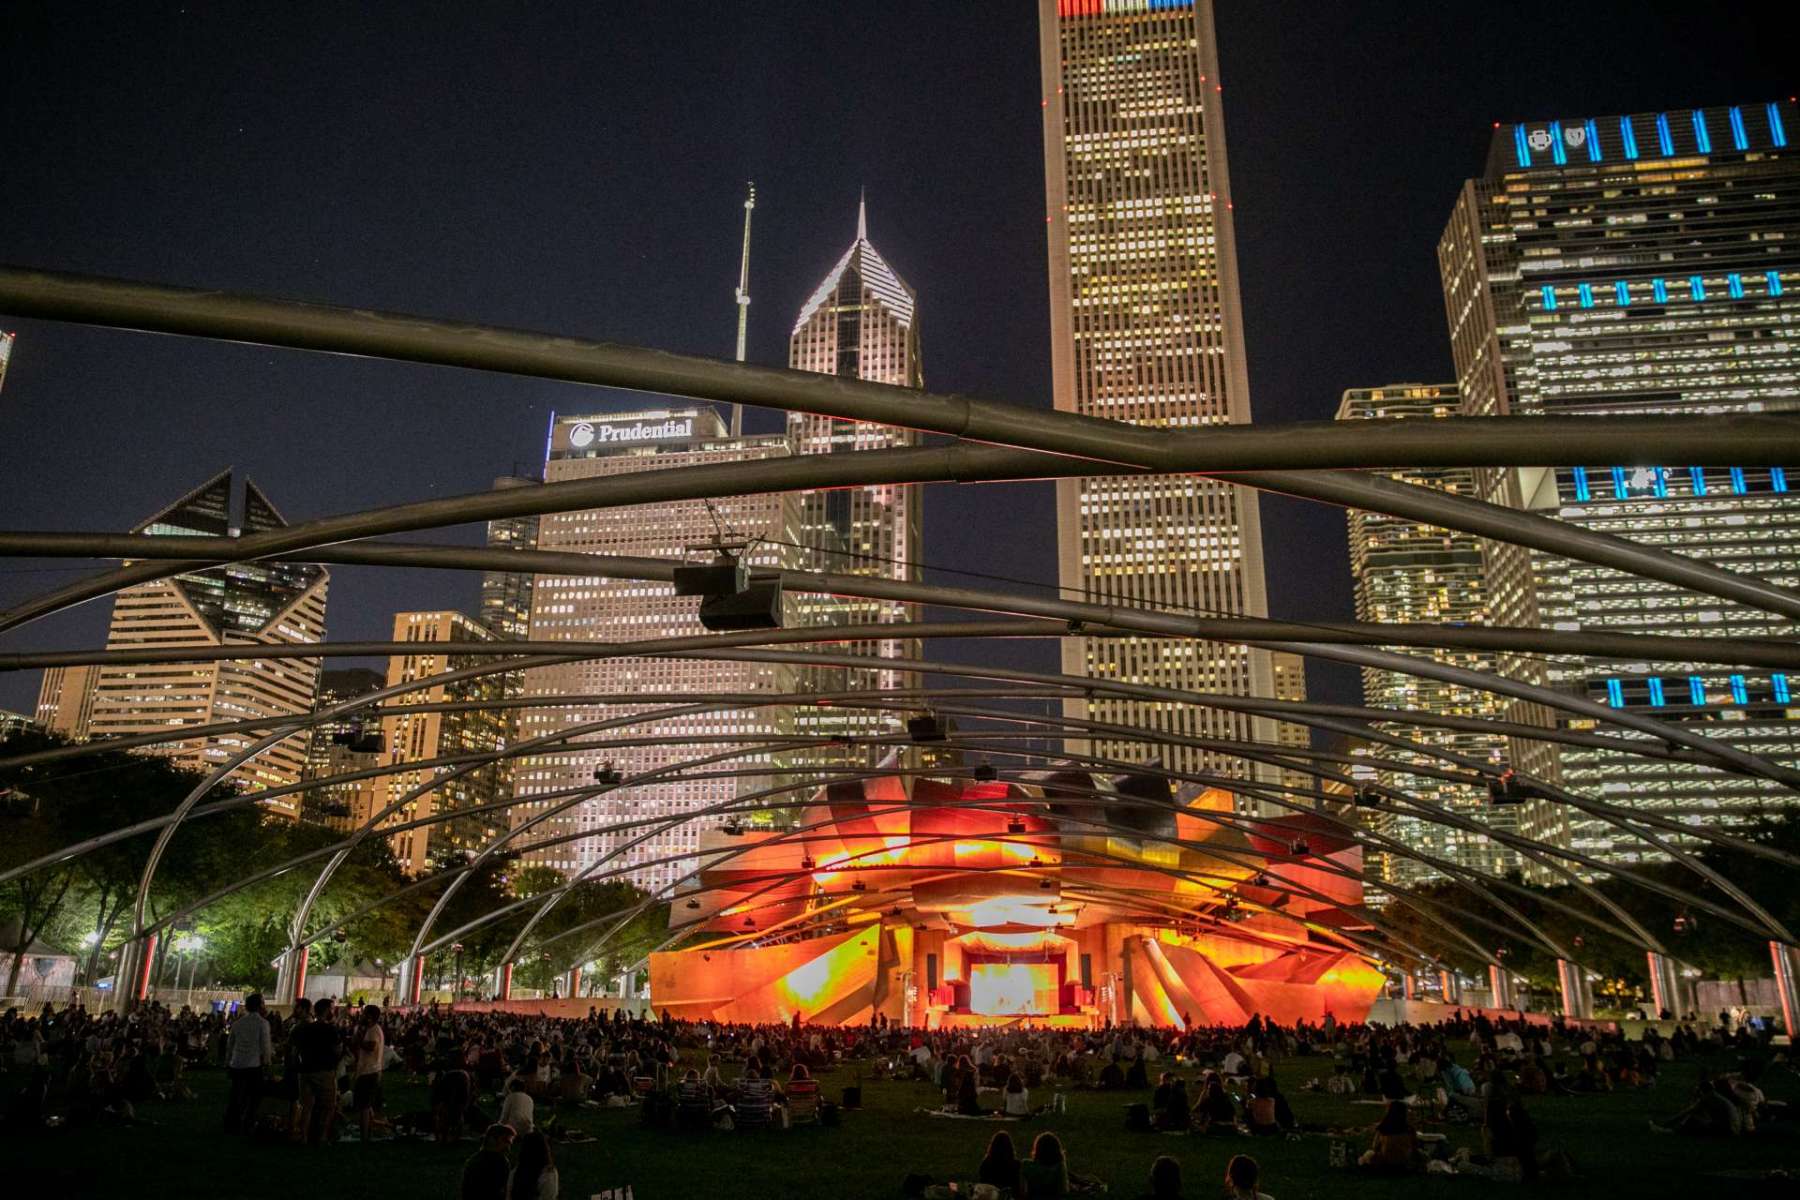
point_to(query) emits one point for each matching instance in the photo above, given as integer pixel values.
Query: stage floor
(964, 1020)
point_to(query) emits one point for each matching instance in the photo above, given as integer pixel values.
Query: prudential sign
(584, 434)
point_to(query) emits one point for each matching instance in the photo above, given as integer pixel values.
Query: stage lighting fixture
(1301, 848)
(608, 774)
(731, 828)
(1046, 883)
(985, 773)
(1506, 789)
(1016, 825)
(358, 741)
(807, 864)
(693, 904)
(1366, 797)
(859, 886)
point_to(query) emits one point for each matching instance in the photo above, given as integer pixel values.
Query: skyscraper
(238, 604)
(506, 595)
(419, 737)
(65, 704)
(582, 608)
(327, 754)
(6, 345)
(1146, 328)
(1643, 264)
(1406, 572)
(860, 322)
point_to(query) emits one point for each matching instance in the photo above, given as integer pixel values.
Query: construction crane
(743, 305)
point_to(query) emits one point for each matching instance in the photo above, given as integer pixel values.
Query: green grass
(183, 1155)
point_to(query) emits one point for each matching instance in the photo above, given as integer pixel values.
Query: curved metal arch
(1722, 651)
(415, 766)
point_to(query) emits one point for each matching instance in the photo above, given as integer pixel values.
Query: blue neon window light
(1778, 478)
(1656, 692)
(1623, 293)
(1774, 281)
(1615, 693)
(1556, 144)
(1664, 139)
(1777, 133)
(1702, 137)
(1620, 487)
(1581, 485)
(1737, 481)
(1593, 142)
(1735, 283)
(1697, 476)
(1587, 296)
(1660, 290)
(1521, 148)
(1740, 693)
(1630, 136)
(1781, 687)
(1740, 140)
(1696, 287)
(1661, 486)
(1549, 298)
(1697, 691)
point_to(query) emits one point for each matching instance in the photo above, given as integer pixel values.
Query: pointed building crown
(866, 262)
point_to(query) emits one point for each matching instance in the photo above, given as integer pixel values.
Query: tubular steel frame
(1302, 460)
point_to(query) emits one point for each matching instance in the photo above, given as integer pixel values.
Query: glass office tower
(1645, 263)
(1146, 327)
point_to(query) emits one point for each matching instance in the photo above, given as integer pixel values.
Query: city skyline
(782, 258)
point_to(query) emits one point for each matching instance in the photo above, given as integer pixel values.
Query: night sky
(579, 168)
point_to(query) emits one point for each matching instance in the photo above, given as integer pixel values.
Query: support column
(1410, 984)
(1500, 985)
(136, 963)
(1665, 984)
(1786, 959)
(1577, 1003)
(573, 985)
(1450, 985)
(504, 990)
(302, 960)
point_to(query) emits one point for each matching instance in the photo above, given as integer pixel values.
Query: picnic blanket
(956, 1116)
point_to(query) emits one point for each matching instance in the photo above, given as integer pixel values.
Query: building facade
(861, 322)
(1406, 572)
(65, 703)
(238, 604)
(334, 805)
(1646, 264)
(589, 608)
(1146, 327)
(468, 729)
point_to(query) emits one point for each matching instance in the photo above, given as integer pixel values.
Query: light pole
(189, 947)
(456, 948)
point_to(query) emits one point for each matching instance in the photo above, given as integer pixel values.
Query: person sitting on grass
(518, 1110)
(1170, 1102)
(1214, 1108)
(1242, 1174)
(1165, 1179)
(1395, 1145)
(1000, 1165)
(1267, 1111)
(1712, 1113)
(535, 1177)
(485, 1175)
(1045, 1175)
(1018, 1097)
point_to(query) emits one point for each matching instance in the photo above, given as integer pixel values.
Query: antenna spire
(743, 305)
(862, 216)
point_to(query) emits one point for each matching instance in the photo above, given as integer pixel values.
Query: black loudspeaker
(721, 578)
(931, 972)
(926, 729)
(756, 607)
(1087, 972)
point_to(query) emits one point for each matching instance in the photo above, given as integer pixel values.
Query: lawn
(183, 1155)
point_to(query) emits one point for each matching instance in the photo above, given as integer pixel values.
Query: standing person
(485, 1175)
(249, 1049)
(317, 1048)
(371, 1055)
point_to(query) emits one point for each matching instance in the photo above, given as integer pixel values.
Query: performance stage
(987, 904)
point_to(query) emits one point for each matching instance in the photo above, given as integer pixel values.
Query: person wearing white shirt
(518, 1110)
(369, 1045)
(248, 1051)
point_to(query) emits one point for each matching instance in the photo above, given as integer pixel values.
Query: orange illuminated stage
(1068, 900)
